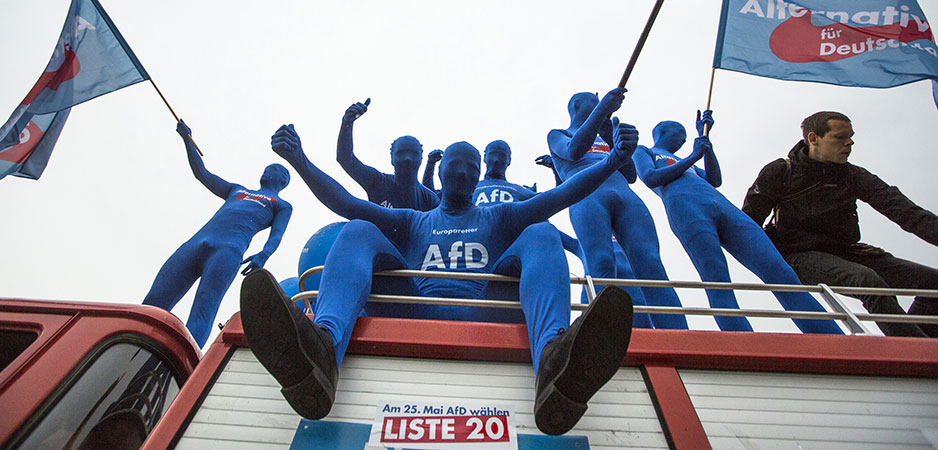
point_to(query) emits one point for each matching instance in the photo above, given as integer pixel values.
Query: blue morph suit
(494, 189)
(623, 266)
(572, 361)
(704, 221)
(613, 209)
(214, 253)
(400, 190)
(457, 236)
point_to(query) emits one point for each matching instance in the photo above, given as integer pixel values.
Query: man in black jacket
(813, 198)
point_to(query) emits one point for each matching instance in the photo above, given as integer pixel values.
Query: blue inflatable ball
(315, 251)
(291, 287)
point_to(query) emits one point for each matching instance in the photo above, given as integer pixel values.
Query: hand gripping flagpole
(713, 72)
(174, 115)
(640, 43)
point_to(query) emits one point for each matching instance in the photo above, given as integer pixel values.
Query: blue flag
(90, 59)
(865, 43)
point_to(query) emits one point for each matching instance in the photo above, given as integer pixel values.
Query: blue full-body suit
(400, 190)
(613, 209)
(457, 236)
(623, 266)
(704, 221)
(494, 189)
(214, 253)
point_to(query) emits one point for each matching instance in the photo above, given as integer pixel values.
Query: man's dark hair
(818, 123)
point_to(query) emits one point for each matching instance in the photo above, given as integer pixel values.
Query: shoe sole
(595, 356)
(275, 342)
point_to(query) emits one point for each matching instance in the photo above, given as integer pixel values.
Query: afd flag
(866, 43)
(90, 59)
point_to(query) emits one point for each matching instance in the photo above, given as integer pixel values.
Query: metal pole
(713, 73)
(174, 115)
(640, 43)
(852, 322)
(590, 289)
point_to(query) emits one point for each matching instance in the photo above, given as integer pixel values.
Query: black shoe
(578, 362)
(298, 353)
(925, 307)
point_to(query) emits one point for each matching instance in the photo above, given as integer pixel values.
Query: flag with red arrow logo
(866, 43)
(90, 59)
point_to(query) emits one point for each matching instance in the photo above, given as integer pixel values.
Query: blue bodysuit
(704, 221)
(214, 253)
(623, 266)
(400, 190)
(623, 270)
(383, 189)
(493, 192)
(611, 210)
(457, 236)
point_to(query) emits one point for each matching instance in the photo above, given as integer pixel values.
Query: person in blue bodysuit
(613, 209)
(704, 221)
(215, 252)
(623, 266)
(494, 188)
(572, 361)
(400, 190)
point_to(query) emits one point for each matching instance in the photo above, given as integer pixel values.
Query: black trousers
(863, 265)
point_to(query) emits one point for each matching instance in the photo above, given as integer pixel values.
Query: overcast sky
(118, 197)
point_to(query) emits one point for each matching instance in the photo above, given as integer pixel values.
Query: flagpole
(640, 43)
(713, 72)
(174, 115)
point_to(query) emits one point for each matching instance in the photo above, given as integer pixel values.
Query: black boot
(578, 362)
(879, 304)
(923, 306)
(298, 353)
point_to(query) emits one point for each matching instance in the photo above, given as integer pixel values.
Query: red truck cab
(88, 375)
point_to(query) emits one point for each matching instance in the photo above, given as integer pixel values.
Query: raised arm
(277, 228)
(653, 176)
(544, 205)
(362, 174)
(286, 143)
(628, 169)
(214, 183)
(433, 158)
(893, 204)
(711, 171)
(574, 147)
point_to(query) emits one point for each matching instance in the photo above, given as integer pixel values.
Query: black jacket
(815, 204)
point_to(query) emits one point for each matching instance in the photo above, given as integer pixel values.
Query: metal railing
(830, 294)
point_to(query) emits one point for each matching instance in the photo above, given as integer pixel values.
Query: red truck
(92, 375)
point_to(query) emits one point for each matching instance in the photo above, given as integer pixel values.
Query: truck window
(113, 404)
(14, 343)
